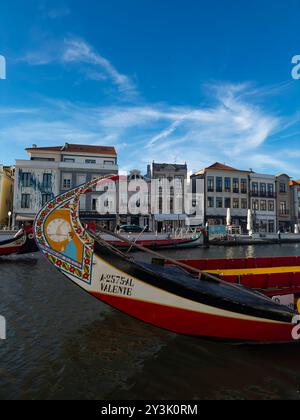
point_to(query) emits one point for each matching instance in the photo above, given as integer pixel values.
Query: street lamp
(9, 216)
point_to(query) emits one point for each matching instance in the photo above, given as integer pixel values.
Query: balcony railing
(284, 212)
(263, 194)
(88, 166)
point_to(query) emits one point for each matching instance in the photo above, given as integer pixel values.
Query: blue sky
(174, 81)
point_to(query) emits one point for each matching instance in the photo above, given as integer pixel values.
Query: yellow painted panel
(268, 270)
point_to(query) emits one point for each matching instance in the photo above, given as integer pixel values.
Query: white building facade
(225, 188)
(53, 170)
(167, 192)
(295, 202)
(263, 202)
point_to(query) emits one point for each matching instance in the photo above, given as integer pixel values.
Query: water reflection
(64, 344)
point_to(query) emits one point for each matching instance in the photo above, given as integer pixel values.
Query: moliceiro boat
(22, 243)
(178, 298)
(183, 239)
(276, 277)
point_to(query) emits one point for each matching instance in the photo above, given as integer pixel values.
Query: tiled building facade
(6, 194)
(53, 170)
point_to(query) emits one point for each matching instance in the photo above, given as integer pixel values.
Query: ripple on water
(62, 343)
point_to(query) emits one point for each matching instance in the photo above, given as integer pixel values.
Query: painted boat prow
(166, 297)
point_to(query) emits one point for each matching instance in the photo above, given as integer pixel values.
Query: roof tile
(77, 148)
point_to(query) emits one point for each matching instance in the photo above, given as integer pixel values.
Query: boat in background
(22, 243)
(177, 298)
(182, 238)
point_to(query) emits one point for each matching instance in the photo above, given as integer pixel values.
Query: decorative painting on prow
(62, 238)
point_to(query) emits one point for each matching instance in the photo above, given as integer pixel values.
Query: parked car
(131, 229)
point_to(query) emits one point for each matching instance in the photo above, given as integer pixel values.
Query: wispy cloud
(79, 51)
(232, 129)
(235, 127)
(54, 11)
(58, 12)
(90, 62)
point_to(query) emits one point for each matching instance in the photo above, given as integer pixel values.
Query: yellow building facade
(6, 194)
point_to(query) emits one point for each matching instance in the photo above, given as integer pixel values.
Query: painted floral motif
(70, 201)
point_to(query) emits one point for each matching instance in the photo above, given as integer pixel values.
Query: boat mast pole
(161, 257)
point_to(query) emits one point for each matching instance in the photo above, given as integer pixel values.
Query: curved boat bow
(22, 243)
(167, 297)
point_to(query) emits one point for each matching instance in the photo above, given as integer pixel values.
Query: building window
(263, 190)
(282, 188)
(236, 185)
(283, 208)
(94, 204)
(270, 190)
(109, 162)
(68, 160)
(46, 198)
(255, 188)
(244, 186)
(25, 201)
(263, 205)
(219, 202)
(263, 226)
(90, 161)
(219, 184)
(227, 203)
(244, 203)
(271, 226)
(26, 179)
(271, 206)
(255, 205)
(210, 184)
(236, 203)
(67, 182)
(210, 202)
(228, 185)
(40, 159)
(47, 180)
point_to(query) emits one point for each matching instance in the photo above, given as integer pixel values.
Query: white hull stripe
(143, 292)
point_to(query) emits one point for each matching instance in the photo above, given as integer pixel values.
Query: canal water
(63, 344)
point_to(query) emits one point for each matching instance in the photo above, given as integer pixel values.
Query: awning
(96, 216)
(169, 217)
(21, 218)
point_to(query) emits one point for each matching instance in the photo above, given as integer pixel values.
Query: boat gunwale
(183, 289)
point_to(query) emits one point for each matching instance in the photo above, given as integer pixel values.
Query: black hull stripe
(180, 283)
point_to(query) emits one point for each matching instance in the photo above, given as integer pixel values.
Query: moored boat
(177, 298)
(22, 243)
(188, 239)
(272, 276)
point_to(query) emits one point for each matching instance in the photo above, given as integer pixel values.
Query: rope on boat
(199, 273)
(132, 245)
(202, 275)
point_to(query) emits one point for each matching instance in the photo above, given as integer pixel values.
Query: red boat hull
(9, 250)
(22, 243)
(166, 297)
(192, 323)
(171, 243)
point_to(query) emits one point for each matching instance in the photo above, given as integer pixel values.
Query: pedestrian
(279, 235)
